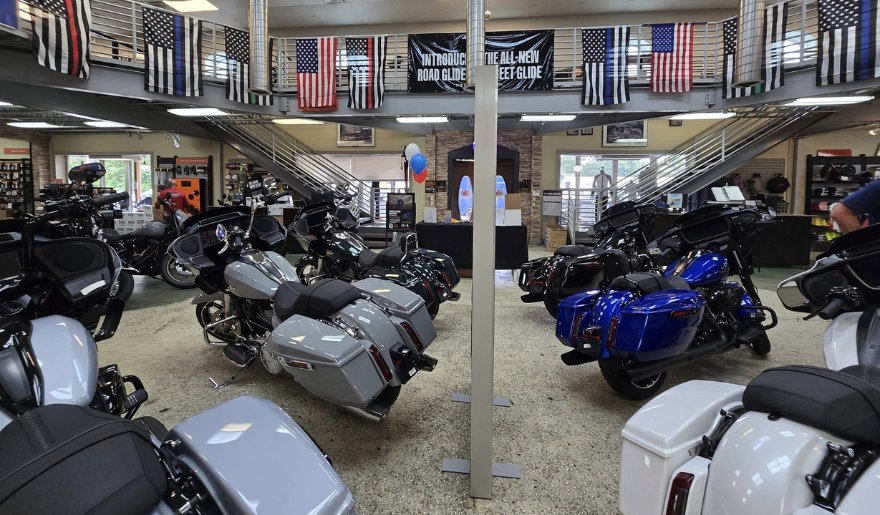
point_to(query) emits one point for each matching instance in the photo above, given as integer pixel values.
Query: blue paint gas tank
(702, 269)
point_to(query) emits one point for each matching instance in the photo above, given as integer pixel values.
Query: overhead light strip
(547, 117)
(422, 119)
(197, 111)
(715, 115)
(827, 101)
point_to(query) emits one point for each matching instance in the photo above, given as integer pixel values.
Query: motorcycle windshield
(215, 215)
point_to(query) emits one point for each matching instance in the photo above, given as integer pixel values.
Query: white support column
(483, 297)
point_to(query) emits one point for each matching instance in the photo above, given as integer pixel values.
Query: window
(131, 173)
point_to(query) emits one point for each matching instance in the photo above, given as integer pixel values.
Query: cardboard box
(513, 217)
(555, 236)
(513, 201)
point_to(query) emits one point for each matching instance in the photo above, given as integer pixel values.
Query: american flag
(672, 57)
(849, 49)
(605, 63)
(316, 72)
(366, 72)
(772, 67)
(61, 35)
(238, 69)
(172, 53)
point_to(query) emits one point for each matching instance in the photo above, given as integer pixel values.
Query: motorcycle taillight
(411, 332)
(678, 493)
(380, 362)
(612, 331)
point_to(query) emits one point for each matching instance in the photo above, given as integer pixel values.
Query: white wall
(12, 143)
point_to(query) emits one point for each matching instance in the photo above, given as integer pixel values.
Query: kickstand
(224, 384)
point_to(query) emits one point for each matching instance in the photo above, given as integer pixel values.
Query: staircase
(717, 152)
(292, 162)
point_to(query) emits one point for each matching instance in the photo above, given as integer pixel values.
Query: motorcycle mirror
(791, 297)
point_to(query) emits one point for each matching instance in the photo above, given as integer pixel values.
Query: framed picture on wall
(572, 132)
(355, 136)
(587, 132)
(626, 134)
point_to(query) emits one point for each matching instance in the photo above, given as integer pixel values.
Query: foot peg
(572, 358)
(240, 355)
(427, 363)
(531, 297)
(135, 399)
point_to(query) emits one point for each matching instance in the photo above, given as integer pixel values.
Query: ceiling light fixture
(547, 117)
(33, 125)
(6, 104)
(296, 121)
(106, 124)
(422, 119)
(190, 6)
(710, 115)
(829, 101)
(197, 111)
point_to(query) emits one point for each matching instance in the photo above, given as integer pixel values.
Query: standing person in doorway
(175, 197)
(601, 190)
(864, 202)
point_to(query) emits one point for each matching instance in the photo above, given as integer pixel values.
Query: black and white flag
(366, 72)
(849, 44)
(238, 69)
(772, 60)
(172, 53)
(606, 56)
(61, 35)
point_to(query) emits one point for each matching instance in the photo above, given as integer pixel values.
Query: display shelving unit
(17, 184)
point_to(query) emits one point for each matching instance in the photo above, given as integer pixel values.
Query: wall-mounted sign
(17, 151)
(438, 62)
(355, 136)
(9, 14)
(400, 212)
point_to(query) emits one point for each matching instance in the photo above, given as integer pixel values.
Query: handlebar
(831, 309)
(110, 199)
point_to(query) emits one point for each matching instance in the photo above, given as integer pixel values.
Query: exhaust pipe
(639, 372)
(476, 40)
(258, 26)
(749, 43)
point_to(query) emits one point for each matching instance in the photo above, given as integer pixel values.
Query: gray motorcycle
(353, 345)
(111, 462)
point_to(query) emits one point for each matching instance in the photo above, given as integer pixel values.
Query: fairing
(841, 342)
(257, 460)
(68, 359)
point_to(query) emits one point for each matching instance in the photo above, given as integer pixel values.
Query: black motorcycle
(571, 269)
(145, 250)
(327, 232)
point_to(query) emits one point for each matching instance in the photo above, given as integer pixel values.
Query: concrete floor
(563, 429)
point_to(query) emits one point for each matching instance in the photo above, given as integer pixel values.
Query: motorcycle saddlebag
(328, 362)
(403, 303)
(659, 325)
(68, 459)
(845, 403)
(443, 264)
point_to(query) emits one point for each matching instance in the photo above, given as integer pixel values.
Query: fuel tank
(700, 269)
(344, 246)
(68, 359)
(257, 275)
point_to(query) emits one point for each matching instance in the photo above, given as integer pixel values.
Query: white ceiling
(284, 14)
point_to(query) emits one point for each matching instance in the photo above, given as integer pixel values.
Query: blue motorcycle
(639, 325)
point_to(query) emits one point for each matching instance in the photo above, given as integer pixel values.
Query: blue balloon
(418, 162)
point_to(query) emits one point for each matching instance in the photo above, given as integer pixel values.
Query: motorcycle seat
(645, 283)
(319, 300)
(392, 256)
(845, 403)
(117, 237)
(571, 251)
(152, 230)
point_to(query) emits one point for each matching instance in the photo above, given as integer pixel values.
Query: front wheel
(125, 286)
(552, 306)
(613, 371)
(176, 274)
(760, 344)
(212, 313)
(307, 270)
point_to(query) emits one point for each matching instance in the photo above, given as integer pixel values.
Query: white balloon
(411, 150)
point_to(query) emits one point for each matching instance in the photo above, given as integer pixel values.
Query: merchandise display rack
(829, 180)
(17, 184)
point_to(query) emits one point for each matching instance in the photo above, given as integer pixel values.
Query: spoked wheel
(307, 271)
(176, 274)
(552, 306)
(612, 371)
(210, 312)
(124, 286)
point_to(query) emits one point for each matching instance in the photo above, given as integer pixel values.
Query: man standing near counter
(865, 201)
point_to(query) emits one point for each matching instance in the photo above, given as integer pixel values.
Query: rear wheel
(176, 274)
(552, 306)
(613, 371)
(125, 286)
(433, 309)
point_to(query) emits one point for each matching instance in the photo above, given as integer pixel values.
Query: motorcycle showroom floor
(563, 428)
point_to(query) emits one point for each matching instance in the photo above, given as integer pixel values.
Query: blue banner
(9, 13)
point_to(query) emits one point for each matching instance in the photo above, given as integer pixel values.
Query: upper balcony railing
(118, 40)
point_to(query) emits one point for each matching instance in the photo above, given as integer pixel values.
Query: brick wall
(439, 144)
(39, 152)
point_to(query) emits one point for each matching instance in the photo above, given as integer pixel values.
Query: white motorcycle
(797, 440)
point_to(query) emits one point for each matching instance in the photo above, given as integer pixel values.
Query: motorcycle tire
(203, 316)
(125, 287)
(612, 372)
(760, 344)
(171, 276)
(552, 306)
(433, 309)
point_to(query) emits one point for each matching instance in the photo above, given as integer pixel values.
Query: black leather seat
(846, 403)
(319, 300)
(571, 251)
(392, 256)
(648, 283)
(152, 230)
